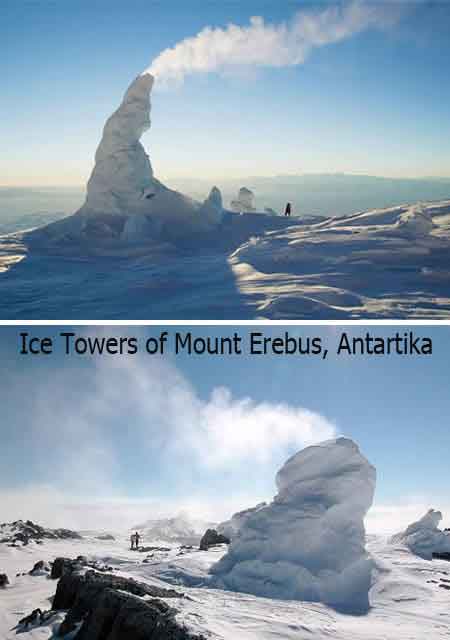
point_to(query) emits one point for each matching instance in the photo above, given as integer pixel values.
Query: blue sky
(150, 435)
(376, 102)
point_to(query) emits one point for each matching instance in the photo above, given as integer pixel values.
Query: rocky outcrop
(3, 580)
(110, 608)
(441, 555)
(120, 616)
(211, 538)
(24, 531)
(62, 566)
(79, 590)
(105, 536)
(21, 531)
(35, 618)
(41, 568)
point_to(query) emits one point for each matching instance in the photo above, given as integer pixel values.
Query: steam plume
(268, 45)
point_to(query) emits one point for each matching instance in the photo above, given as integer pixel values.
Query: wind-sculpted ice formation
(244, 203)
(424, 538)
(124, 200)
(231, 527)
(309, 542)
(122, 179)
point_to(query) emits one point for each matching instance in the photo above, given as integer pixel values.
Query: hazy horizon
(22, 207)
(234, 178)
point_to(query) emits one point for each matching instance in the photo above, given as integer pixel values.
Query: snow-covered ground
(390, 263)
(409, 598)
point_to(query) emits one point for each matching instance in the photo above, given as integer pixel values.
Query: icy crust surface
(424, 538)
(309, 542)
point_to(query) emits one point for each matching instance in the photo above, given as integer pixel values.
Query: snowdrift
(309, 542)
(381, 264)
(424, 538)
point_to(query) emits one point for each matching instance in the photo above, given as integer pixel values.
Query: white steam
(120, 426)
(268, 45)
(82, 419)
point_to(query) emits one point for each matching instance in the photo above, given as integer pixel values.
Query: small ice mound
(424, 538)
(415, 221)
(309, 542)
(215, 198)
(211, 210)
(244, 203)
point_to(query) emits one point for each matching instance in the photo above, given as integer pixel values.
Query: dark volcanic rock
(111, 609)
(40, 568)
(441, 556)
(24, 531)
(61, 566)
(211, 538)
(120, 616)
(80, 590)
(36, 617)
(3, 580)
(32, 618)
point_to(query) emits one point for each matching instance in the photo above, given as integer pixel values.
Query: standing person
(133, 541)
(288, 210)
(137, 537)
